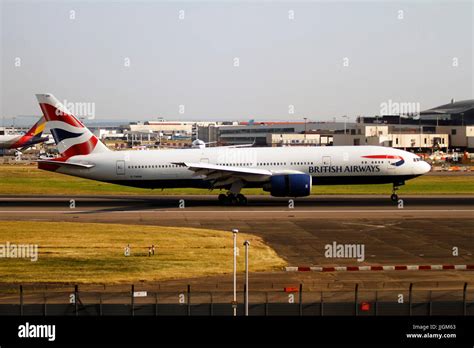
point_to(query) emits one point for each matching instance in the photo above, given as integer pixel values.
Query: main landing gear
(232, 199)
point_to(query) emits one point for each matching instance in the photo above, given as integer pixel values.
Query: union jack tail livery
(70, 135)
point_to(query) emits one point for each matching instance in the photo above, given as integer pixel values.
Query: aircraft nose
(424, 167)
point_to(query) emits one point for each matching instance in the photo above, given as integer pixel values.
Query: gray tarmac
(424, 231)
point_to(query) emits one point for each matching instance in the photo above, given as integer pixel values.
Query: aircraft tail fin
(70, 135)
(33, 136)
(38, 128)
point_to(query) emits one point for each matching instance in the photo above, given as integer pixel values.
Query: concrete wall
(399, 140)
(460, 139)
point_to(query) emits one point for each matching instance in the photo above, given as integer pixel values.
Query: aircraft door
(120, 167)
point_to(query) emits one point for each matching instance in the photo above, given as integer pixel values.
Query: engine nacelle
(289, 185)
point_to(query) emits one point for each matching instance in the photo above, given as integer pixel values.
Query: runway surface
(262, 206)
(426, 230)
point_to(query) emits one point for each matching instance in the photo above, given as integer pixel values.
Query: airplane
(199, 144)
(32, 137)
(282, 171)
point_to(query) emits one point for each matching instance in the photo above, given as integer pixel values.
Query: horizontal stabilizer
(64, 164)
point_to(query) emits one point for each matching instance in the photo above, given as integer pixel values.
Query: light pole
(247, 244)
(345, 122)
(305, 118)
(234, 302)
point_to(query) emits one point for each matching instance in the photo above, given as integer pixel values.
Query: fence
(289, 302)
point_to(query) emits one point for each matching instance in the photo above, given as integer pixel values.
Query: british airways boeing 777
(282, 171)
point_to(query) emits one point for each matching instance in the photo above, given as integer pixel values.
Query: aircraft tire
(241, 199)
(222, 198)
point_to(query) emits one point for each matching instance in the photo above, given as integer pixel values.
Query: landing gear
(396, 186)
(232, 199)
(222, 198)
(241, 199)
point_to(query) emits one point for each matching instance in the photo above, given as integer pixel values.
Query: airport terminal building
(449, 126)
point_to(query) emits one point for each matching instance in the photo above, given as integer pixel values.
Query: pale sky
(417, 51)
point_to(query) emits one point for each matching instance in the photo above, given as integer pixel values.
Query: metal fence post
(464, 299)
(430, 303)
(301, 299)
(44, 304)
(246, 296)
(322, 304)
(409, 298)
(132, 300)
(76, 293)
(376, 302)
(266, 304)
(356, 299)
(21, 299)
(211, 305)
(189, 300)
(100, 304)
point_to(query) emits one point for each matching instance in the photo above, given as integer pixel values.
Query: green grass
(29, 180)
(94, 253)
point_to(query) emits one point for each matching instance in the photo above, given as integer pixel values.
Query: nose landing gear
(396, 186)
(394, 196)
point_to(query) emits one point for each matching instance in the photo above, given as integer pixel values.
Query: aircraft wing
(225, 175)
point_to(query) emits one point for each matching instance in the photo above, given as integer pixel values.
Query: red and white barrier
(381, 268)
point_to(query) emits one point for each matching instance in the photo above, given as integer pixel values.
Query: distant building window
(453, 131)
(425, 141)
(396, 141)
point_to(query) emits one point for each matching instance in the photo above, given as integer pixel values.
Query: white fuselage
(326, 165)
(6, 141)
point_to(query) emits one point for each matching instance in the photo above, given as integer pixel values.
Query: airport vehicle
(283, 171)
(23, 141)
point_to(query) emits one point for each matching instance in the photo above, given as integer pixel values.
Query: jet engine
(289, 185)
